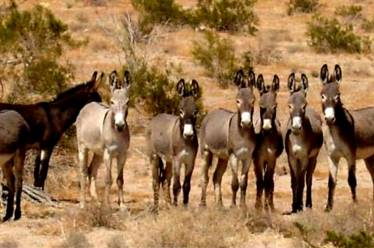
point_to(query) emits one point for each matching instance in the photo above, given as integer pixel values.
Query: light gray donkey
(229, 136)
(104, 131)
(14, 132)
(173, 143)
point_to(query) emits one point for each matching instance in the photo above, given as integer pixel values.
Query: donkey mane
(69, 92)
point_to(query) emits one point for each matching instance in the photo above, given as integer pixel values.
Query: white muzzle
(267, 124)
(119, 119)
(329, 113)
(296, 122)
(187, 130)
(246, 118)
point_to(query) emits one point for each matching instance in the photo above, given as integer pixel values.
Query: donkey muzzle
(187, 130)
(329, 114)
(296, 124)
(119, 121)
(246, 119)
(266, 125)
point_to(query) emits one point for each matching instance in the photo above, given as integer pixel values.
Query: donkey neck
(343, 119)
(188, 141)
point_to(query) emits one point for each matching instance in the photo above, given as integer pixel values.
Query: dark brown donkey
(48, 120)
(269, 141)
(348, 135)
(302, 142)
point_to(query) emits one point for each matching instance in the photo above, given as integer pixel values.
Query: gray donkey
(14, 132)
(302, 142)
(348, 134)
(269, 143)
(104, 131)
(229, 136)
(173, 139)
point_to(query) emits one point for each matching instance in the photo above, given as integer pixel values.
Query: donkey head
(330, 92)
(297, 102)
(245, 98)
(88, 92)
(120, 99)
(187, 107)
(268, 101)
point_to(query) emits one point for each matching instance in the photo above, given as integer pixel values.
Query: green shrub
(351, 11)
(329, 35)
(303, 6)
(357, 240)
(31, 44)
(217, 56)
(227, 15)
(368, 25)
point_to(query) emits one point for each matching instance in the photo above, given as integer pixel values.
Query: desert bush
(361, 239)
(329, 35)
(217, 56)
(75, 240)
(31, 44)
(304, 6)
(117, 242)
(227, 15)
(351, 11)
(368, 25)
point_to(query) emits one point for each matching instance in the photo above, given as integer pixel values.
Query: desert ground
(280, 37)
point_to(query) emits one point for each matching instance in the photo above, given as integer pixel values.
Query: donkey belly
(161, 128)
(364, 131)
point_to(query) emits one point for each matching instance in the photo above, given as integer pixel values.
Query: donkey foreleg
(309, 181)
(258, 168)
(370, 166)
(217, 181)
(82, 158)
(204, 175)
(37, 169)
(121, 160)
(155, 165)
(108, 176)
(18, 172)
(352, 181)
(168, 173)
(176, 181)
(92, 175)
(244, 182)
(45, 158)
(187, 181)
(269, 184)
(234, 180)
(333, 176)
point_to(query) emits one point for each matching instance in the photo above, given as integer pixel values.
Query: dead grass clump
(9, 244)
(117, 241)
(75, 240)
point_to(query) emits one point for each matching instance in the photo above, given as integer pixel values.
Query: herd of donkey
(173, 139)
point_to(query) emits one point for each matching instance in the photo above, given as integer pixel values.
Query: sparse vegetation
(75, 240)
(217, 56)
(368, 25)
(303, 6)
(361, 239)
(350, 11)
(329, 35)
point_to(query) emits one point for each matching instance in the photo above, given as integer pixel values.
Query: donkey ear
(324, 75)
(291, 83)
(113, 80)
(252, 79)
(99, 81)
(338, 73)
(181, 87)
(239, 76)
(260, 84)
(195, 90)
(127, 79)
(304, 82)
(275, 85)
(93, 77)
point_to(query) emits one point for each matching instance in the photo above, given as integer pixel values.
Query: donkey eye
(238, 101)
(111, 102)
(290, 106)
(324, 98)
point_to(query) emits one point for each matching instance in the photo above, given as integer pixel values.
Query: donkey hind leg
(309, 181)
(156, 164)
(292, 165)
(45, 157)
(92, 175)
(121, 160)
(244, 182)
(352, 181)
(258, 168)
(333, 177)
(37, 169)
(204, 174)
(176, 181)
(82, 157)
(300, 183)
(234, 180)
(108, 159)
(370, 166)
(189, 167)
(10, 179)
(166, 181)
(217, 180)
(269, 184)
(18, 172)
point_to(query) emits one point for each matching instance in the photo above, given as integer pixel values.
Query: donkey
(14, 132)
(104, 131)
(303, 141)
(173, 139)
(269, 142)
(49, 120)
(348, 135)
(229, 136)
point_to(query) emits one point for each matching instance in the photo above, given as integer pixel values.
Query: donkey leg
(333, 176)
(8, 174)
(168, 173)
(108, 176)
(155, 165)
(37, 169)
(309, 181)
(217, 181)
(18, 172)
(82, 157)
(120, 165)
(206, 163)
(292, 165)
(258, 167)
(244, 182)
(176, 181)
(370, 166)
(45, 157)
(92, 175)
(269, 185)
(187, 181)
(234, 180)
(352, 181)
(300, 190)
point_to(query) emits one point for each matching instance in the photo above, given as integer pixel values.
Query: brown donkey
(348, 135)
(269, 141)
(173, 143)
(229, 136)
(302, 142)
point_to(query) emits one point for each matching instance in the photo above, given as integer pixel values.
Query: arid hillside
(280, 46)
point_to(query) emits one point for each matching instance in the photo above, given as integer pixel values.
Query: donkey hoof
(17, 215)
(7, 217)
(328, 209)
